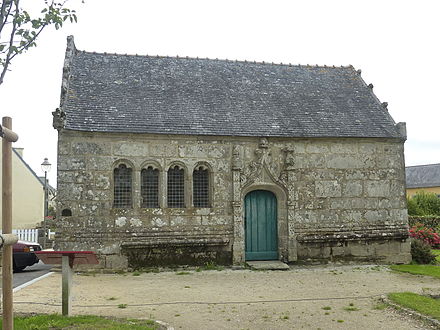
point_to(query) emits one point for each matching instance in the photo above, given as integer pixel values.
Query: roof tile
(145, 94)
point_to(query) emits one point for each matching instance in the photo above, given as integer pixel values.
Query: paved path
(344, 297)
(30, 273)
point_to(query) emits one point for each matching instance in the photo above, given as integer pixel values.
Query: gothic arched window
(201, 187)
(150, 187)
(122, 187)
(176, 187)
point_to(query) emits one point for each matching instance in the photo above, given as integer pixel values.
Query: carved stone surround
(265, 172)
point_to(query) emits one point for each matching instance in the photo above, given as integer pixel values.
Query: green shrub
(413, 207)
(428, 221)
(424, 203)
(421, 252)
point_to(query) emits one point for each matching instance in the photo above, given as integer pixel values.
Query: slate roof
(173, 95)
(423, 176)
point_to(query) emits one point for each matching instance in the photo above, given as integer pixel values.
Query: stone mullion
(292, 201)
(136, 181)
(163, 189)
(237, 211)
(238, 247)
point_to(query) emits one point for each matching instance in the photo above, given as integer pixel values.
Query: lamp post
(45, 166)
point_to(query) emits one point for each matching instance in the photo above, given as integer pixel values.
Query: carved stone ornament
(290, 159)
(59, 119)
(237, 163)
(263, 162)
(264, 143)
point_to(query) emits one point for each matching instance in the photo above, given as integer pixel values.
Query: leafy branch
(19, 30)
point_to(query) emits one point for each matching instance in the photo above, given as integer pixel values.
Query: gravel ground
(324, 297)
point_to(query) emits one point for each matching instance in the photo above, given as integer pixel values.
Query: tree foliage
(19, 29)
(423, 204)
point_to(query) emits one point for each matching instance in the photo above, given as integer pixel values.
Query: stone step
(267, 265)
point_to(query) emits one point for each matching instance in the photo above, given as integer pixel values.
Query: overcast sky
(394, 43)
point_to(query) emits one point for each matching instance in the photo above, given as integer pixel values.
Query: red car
(23, 254)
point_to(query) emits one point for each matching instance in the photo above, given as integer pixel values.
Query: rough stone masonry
(315, 138)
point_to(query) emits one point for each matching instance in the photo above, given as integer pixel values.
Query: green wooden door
(261, 225)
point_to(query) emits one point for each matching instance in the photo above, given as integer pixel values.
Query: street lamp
(45, 166)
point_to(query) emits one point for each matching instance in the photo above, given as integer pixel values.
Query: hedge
(428, 221)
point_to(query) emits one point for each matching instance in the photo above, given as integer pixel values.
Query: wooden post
(66, 285)
(8, 315)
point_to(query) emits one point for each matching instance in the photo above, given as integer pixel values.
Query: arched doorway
(261, 238)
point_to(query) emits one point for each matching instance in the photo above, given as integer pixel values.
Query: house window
(122, 187)
(176, 187)
(150, 187)
(201, 187)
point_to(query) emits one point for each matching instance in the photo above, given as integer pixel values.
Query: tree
(19, 30)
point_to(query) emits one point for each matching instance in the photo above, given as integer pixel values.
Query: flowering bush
(428, 235)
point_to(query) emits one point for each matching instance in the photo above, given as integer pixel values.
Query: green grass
(89, 322)
(183, 273)
(422, 304)
(380, 306)
(210, 266)
(437, 254)
(428, 270)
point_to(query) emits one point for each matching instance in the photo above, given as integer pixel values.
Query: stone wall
(337, 199)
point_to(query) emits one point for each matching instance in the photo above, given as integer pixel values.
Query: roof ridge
(226, 60)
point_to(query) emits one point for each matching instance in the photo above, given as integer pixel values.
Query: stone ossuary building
(183, 161)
